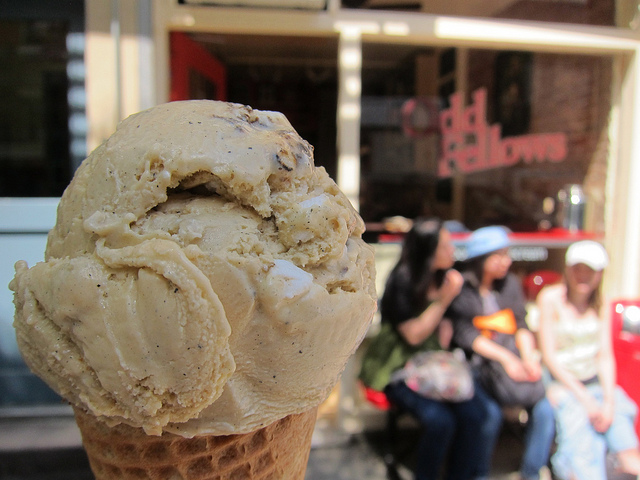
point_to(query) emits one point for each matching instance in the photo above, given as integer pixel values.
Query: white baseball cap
(591, 253)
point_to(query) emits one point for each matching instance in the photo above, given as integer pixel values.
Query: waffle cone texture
(279, 451)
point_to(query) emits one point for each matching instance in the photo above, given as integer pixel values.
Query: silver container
(572, 203)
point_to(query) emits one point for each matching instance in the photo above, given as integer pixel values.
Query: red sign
(469, 144)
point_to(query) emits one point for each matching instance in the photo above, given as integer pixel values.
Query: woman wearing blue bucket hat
(489, 324)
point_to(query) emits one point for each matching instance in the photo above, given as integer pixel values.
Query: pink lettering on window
(469, 144)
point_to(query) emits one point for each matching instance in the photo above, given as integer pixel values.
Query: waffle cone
(279, 451)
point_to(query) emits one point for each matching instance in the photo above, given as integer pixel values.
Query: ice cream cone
(200, 270)
(279, 451)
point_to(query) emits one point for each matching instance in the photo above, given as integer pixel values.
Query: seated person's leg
(580, 452)
(621, 436)
(438, 424)
(487, 435)
(479, 423)
(538, 439)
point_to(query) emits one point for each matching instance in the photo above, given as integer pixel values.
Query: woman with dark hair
(417, 294)
(489, 324)
(593, 415)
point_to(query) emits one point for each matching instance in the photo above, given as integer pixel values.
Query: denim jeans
(467, 431)
(581, 449)
(539, 436)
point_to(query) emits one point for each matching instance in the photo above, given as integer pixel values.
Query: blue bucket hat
(486, 240)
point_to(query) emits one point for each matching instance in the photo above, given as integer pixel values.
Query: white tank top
(578, 343)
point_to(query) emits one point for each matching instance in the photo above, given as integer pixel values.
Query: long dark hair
(473, 271)
(414, 266)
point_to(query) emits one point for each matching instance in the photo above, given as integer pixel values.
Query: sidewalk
(361, 457)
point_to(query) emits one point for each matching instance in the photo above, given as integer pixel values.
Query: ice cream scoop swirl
(203, 276)
(162, 355)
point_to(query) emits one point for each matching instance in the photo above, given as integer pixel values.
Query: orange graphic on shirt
(502, 322)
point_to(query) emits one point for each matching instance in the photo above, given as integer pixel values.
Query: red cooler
(625, 325)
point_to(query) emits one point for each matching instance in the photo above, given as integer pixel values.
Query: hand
(602, 421)
(451, 286)
(533, 369)
(515, 369)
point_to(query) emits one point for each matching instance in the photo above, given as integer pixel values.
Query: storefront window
(34, 138)
(559, 105)
(399, 148)
(497, 143)
(42, 141)
(42, 101)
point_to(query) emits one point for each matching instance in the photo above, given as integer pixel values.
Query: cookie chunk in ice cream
(203, 276)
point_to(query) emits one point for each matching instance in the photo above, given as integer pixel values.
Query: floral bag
(438, 375)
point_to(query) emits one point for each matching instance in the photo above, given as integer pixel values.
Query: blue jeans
(539, 436)
(467, 431)
(581, 449)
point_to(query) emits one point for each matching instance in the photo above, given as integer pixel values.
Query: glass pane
(34, 133)
(42, 140)
(524, 145)
(399, 134)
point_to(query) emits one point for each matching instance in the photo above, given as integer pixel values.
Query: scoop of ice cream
(203, 276)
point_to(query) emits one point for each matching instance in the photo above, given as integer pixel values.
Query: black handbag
(505, 390)
(501, 327)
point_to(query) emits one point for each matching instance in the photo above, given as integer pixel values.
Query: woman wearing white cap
(593, 415)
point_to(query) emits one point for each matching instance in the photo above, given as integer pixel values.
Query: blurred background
(513, 112)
